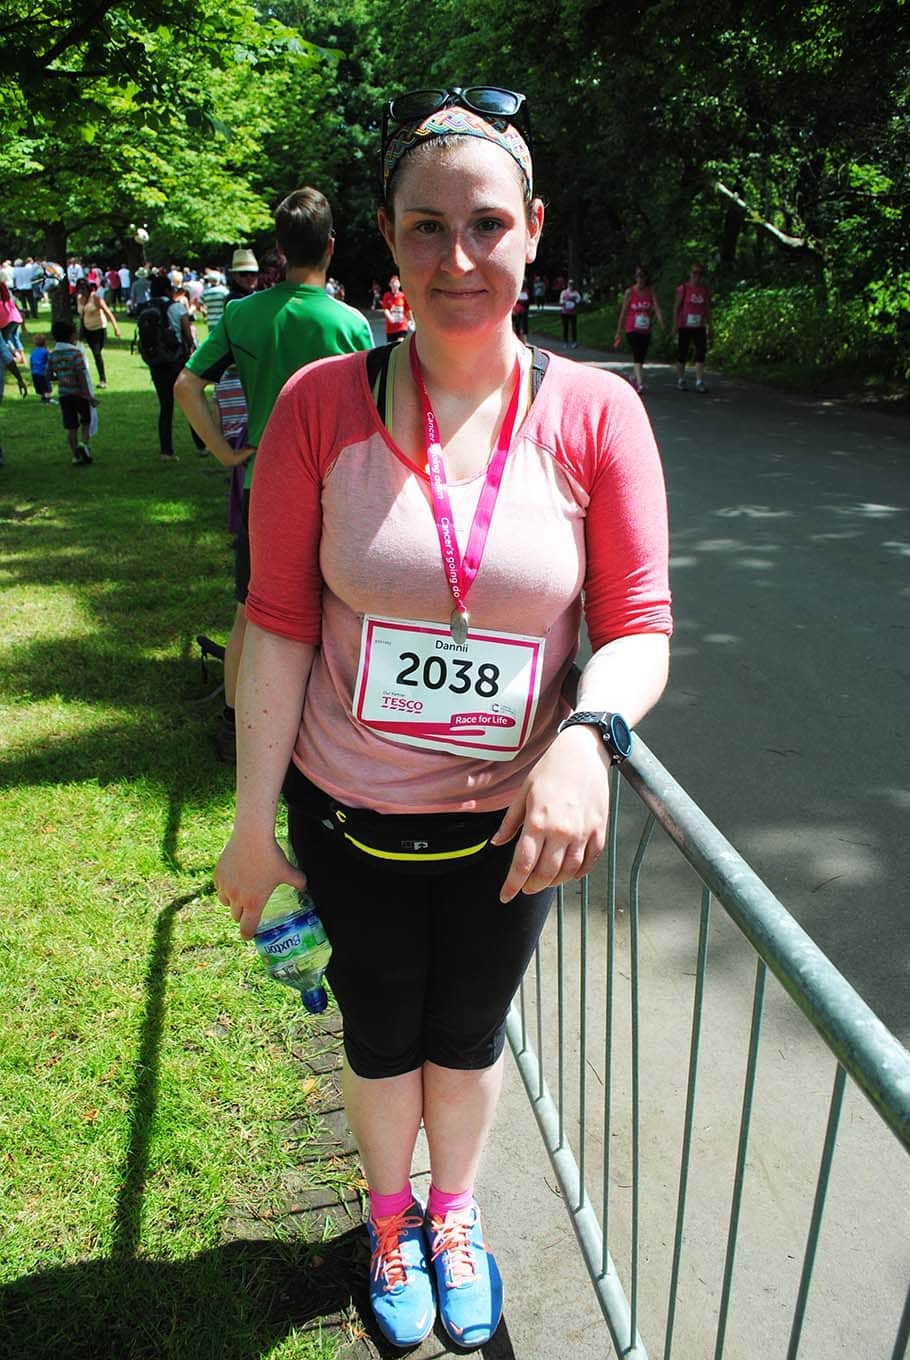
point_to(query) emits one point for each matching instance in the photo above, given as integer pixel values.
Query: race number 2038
(417, 686)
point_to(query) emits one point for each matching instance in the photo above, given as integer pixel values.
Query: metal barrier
(567, 1049)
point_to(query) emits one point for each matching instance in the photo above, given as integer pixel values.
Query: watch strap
(604, 722)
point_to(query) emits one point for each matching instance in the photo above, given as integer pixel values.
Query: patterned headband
(453, 121)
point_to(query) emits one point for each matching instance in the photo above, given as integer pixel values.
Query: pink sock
(382, 1206)
(440, 1203)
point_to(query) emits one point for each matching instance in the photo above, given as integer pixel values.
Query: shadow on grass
(163, 738)
(243, 1297)
(233, 1303)
(127, 1306)
(114, 572)
(237, 1300)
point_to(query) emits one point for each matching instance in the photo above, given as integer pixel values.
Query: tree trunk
(573, 245)
(734, 219)
(55, 250)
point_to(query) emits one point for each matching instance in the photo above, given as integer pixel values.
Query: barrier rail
(863, 1049)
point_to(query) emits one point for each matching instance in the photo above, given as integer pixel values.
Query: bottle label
(295, 946)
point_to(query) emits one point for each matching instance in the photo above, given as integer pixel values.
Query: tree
(110, 122)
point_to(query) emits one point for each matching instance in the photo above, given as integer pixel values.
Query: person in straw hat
(243, 274)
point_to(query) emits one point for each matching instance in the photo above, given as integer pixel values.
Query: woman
(410, 628)
(10, 321)
(540, 291)
(692, 322)
(95, 314)
(396, 312)
(639, 303)
(569, 299)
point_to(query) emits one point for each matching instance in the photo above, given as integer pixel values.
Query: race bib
(397, 312)
(642, 321)
(693, 320)
(568, 305)
(417, 686)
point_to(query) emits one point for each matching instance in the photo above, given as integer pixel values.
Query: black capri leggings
(639, 342)
(696, 336)
(424, 968)
(95, 341)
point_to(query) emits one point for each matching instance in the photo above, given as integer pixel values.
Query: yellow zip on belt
(391, 854)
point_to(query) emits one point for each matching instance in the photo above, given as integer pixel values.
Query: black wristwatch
(613, 729)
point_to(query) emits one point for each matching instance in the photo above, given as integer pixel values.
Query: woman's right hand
(246, 876)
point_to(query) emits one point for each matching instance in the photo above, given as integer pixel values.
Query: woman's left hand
(562, 811)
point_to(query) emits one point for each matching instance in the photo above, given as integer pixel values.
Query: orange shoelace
(387, 1253)
(452, 1234)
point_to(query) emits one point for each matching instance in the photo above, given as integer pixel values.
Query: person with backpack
(165, 348)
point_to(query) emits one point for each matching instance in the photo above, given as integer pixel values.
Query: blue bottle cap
(315, 1000)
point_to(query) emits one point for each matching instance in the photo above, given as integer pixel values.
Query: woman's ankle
(384, 1206)
(442, 1202)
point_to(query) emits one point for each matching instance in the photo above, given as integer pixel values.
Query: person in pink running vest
(692, 323)
(635, 321)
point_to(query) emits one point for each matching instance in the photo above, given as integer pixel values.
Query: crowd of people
(427, 523)
(196, 294)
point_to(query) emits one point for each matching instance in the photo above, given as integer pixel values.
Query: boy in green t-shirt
(269, 336)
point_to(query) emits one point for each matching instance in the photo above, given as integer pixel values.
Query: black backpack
(158, 344)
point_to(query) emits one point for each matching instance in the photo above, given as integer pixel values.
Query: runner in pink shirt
(429, 524)
(692, 322)
(639, 305)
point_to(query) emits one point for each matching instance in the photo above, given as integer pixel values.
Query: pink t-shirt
(692, 305)
(638, 312)
(341, 525)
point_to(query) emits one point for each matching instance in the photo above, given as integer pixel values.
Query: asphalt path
(785, 719)
(786, 716)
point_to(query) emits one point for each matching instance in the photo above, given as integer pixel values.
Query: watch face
(620, 736)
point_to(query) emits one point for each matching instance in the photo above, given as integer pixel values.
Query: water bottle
(293, 945)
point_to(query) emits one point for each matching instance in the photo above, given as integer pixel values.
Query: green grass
(147, 1073)
(596, 329)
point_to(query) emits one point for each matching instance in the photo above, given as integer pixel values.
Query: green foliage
(770, 143)
(160, 117)
(788, 330)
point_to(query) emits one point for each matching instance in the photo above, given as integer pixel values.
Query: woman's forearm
(274, 672)
(627, 675)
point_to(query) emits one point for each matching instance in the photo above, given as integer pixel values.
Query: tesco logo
(402, 705)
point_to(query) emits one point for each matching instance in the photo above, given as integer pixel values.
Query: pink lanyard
(460, 572)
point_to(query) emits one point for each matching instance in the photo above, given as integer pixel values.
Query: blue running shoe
(468, 1282)
(401, 1286)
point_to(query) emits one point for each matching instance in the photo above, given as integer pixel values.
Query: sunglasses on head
(488, 100)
